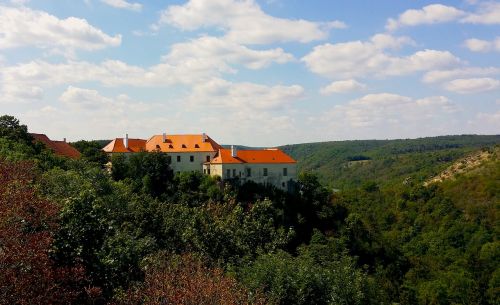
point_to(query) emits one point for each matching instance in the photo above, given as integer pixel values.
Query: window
(228, 173)
(208, 171)
(178, 158)
(196, 146)
(184, 146)
(265, 171)
(158, 147)
(191, 158)
(285, 171)
(249, 172)
(208, 158)
(283, 184)
(234, 173)
(204, 170)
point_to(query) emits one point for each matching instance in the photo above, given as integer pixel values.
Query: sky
(251, 72)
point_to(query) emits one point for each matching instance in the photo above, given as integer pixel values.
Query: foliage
(347, 164)
(375, 240)
(27, 223)
(11, 129)
(186, 280)
(91, 151)
(149, 172)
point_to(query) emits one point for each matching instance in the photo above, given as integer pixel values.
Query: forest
(361, 228)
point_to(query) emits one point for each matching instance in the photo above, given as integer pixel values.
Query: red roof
(60, 148)
(182, 143)
(270, 155)
(117, 146)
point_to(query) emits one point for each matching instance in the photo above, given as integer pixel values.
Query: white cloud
(472, 85)
(430, 14)
(478, 45)
(363, 59)
(19, 2)
(222, 52)
(84, 98)
(13, 93)
(488, 13)
(387, 115)
(196, 61)
(342, 86)
(443, 75)
(123, 4)
(225, 94)
(244, 22)
(25, 27)
(485, 123)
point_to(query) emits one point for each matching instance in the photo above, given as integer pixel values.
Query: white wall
(185, 165)
(274, 172)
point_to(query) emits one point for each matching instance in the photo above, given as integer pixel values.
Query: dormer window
(196, 146)
(170, 146)
(158, 147)
(184, 146)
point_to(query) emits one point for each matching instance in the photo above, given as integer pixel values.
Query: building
(199, 152)
(125, 145)
(60, 148)
(269, 166)
(187, 152)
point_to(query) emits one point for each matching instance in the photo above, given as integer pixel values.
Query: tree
(91, 151)
(186, 280)
(12, 130)
(28, 275)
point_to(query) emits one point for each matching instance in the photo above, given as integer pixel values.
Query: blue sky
(251, 72)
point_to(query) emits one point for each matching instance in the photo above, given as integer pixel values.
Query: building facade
(199, 152)
(265, 166)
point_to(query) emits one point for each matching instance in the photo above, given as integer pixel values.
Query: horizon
(264, 72)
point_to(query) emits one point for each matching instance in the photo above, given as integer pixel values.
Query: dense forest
(347, 164)
(361, 228)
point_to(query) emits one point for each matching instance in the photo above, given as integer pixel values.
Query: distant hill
(345, 164)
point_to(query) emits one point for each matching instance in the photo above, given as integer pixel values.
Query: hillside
(345, 164)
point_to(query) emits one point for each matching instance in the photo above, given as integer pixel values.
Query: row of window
(249, 172)
(191, 158)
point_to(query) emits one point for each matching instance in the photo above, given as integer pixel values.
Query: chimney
(125, 141)
(233, 151)
(204, 137)
(64, 140)
(164, 138)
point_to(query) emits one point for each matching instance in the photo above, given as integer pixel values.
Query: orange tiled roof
(117, 146)
(60, 148)
(270, 155)
(182, 143)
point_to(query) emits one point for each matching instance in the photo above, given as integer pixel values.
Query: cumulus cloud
(21, 26)
(472, 85)
(430, 14)
(485, 123)
(386, 115)
(123, 4)
(222, 52)
(225, 94)
(363, 59)
(436, 76)
(187, 63)
(488, 13)
(342, 86)
(478, 45)
(244, 22)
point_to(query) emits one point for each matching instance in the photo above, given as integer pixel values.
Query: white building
(265, 166)
(199, 152)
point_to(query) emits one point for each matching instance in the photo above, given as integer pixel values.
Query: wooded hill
(346, 164)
